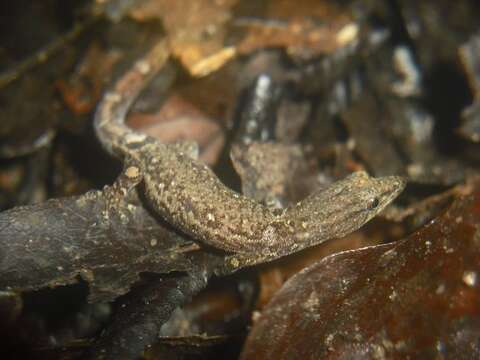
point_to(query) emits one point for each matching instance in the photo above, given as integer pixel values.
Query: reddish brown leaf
(416, 298)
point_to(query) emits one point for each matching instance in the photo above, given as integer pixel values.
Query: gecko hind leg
(117, 194)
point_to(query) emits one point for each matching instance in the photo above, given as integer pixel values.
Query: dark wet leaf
(56, 242)
(141, 314)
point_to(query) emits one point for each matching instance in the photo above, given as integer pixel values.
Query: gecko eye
(373, 203)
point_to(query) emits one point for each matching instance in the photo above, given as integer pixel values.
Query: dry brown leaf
(195, 28)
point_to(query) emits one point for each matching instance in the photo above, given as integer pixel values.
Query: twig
(44, 54)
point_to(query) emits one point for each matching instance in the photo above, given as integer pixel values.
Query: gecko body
(190, 196)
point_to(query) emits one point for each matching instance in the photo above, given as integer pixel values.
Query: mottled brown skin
(189, 195)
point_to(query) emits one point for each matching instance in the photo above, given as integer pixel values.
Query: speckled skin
(189, 195)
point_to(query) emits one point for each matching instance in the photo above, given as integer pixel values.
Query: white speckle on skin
(133, 138)
(269, 235)
(256, 316)
(132, 172)
(235, 263)
(153, 242)
(112, 97)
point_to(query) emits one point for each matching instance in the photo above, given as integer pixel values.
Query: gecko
(187, 194)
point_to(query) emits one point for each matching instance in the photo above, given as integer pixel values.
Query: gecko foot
(117, 193)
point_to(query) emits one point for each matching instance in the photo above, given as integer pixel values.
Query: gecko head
(374, 194)
(366, 196)
(355, 200)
